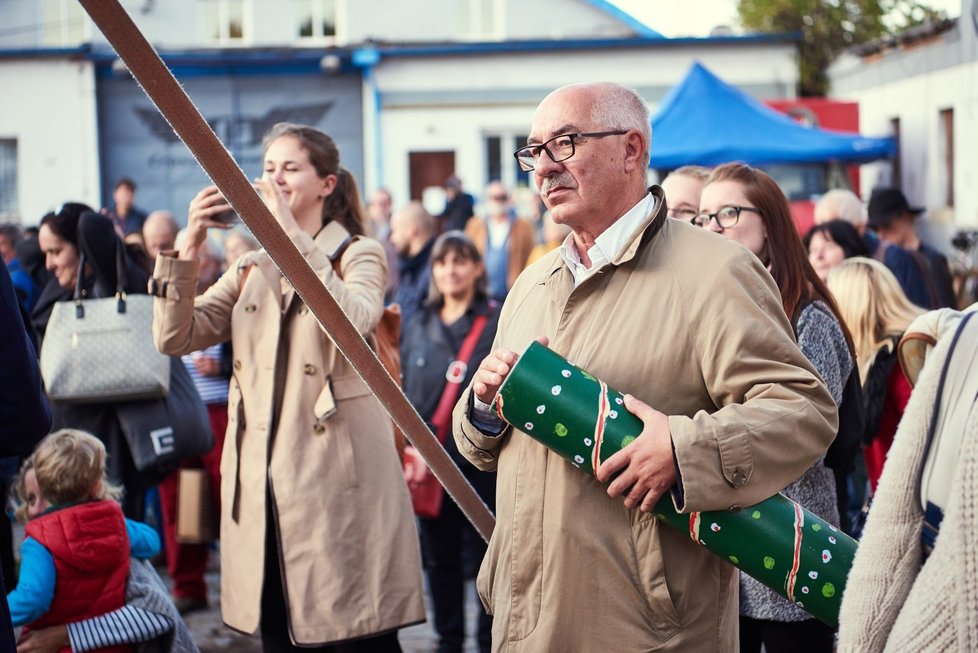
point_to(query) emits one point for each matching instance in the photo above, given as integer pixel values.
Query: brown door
(429, 169)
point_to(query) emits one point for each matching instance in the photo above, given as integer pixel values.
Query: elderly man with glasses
(691, 324)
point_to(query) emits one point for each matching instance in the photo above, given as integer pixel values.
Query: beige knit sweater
(892, 602)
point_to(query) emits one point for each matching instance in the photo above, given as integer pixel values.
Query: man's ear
(634, 149)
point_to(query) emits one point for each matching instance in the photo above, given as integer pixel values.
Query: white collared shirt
(605, 248)
(609, 244)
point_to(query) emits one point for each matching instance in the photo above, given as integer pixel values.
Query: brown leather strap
(171, 100)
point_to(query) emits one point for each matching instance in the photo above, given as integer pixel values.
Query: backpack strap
(956, 394)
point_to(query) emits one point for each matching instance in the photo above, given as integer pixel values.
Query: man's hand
(493, 371)
(647, 464)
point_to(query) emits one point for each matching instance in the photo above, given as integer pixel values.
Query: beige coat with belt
(347, 539)
(692, 324)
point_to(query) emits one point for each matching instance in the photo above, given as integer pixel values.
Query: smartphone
(227, 217)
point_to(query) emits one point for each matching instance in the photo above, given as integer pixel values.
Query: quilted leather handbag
(101, 350)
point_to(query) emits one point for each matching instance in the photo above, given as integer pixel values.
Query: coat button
(319, 428)
(739, 478)
(250, 308)
(237, 364)
(303, 309)
(309, 369)
(420, 362)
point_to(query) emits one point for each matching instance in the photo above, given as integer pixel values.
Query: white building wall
(268, 23)
(51, 113)
(917, 102)
(504, 90)
(557, 19)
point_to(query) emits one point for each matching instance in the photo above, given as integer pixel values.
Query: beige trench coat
(692, 324)
(346, 531)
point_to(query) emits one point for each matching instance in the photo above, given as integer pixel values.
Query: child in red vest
(75, 558)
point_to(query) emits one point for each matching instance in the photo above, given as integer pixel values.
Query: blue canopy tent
(705, 121)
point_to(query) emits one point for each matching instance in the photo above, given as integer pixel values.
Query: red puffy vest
(90, 548)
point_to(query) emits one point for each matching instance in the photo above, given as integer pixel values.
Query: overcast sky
(698, 17)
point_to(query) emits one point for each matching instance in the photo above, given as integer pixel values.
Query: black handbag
(163, 432)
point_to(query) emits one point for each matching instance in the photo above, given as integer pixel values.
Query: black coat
(457, 212)
(24, 414)
(428, 347)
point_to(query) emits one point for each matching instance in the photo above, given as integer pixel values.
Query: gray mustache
(555, 181)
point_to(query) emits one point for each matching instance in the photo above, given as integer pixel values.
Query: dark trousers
(274, 611)
(811, 636)
(451, 548)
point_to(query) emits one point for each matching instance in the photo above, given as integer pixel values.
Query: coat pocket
(332, 440)
(662, 615)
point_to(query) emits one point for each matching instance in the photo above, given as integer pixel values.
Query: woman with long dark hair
(318, 547)
(746, 205)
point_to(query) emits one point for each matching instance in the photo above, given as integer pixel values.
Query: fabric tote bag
(102, 350)
(162, 433)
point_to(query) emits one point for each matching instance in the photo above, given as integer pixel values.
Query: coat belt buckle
(456, 371)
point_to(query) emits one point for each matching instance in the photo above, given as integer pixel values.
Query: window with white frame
(499, 162)
(224, 21)
(63, 22)
(8, 178)
(479, 19)
(316, 19)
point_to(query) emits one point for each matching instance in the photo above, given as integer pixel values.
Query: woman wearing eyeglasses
(746, 205)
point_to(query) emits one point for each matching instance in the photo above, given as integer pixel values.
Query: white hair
(622, 107)
(840, 203)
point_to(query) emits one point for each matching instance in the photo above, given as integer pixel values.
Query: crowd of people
(760, 361)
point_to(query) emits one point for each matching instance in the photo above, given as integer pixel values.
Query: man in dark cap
(892, 217)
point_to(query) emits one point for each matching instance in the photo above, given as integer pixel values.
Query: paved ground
(212, 636)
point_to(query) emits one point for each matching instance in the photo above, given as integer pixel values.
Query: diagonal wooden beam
(170, 99)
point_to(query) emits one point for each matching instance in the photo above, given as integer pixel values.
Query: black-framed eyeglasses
(681, 213)
(726, 217)
(559, 148)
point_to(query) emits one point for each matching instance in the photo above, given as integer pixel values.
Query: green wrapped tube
(788, 548)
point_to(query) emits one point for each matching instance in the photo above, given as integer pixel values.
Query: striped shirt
(212, 389)
(127, 625)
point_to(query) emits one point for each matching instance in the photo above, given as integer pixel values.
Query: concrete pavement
(212, 636)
